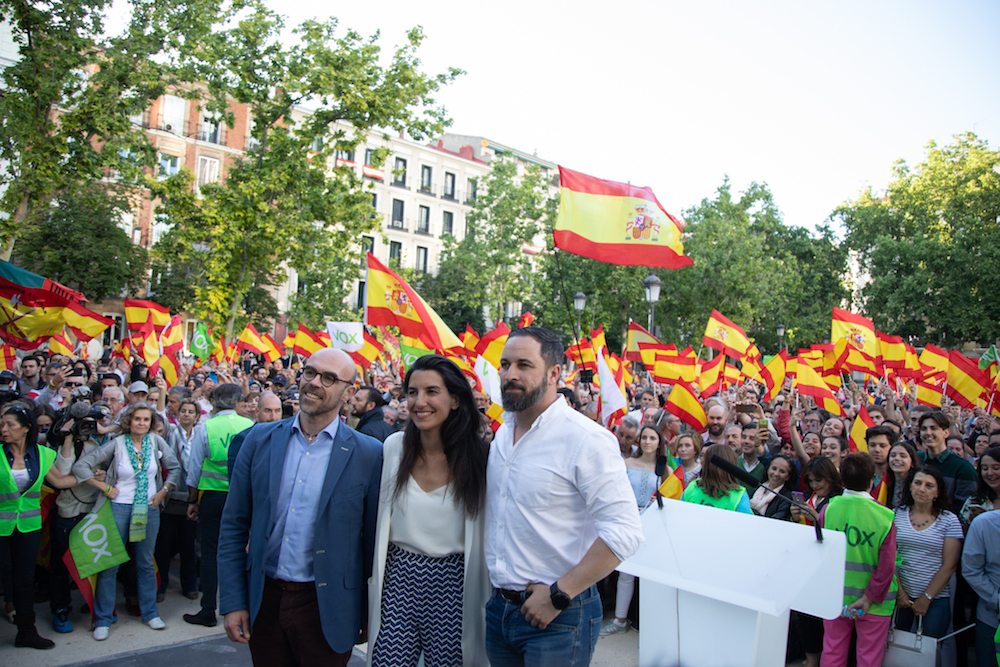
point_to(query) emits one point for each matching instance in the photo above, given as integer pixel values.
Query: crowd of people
(282, 487)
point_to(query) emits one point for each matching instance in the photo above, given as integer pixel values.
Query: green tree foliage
(930, 246)
(67, 102)
(488, 268)
(82, 245)
(284, 203)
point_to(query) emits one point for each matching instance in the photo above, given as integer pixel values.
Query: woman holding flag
(23, 467)
(641, 471)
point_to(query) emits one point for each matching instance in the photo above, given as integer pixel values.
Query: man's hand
(538, 609)
(237, 624)
(160, 383)
(192, 513)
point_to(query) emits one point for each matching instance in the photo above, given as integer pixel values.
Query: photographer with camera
(79, 434)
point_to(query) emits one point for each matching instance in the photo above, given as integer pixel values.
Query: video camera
(85, 419)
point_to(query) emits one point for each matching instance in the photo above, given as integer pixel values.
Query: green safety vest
(694, 494)
(866, 524)
(215, 467)
(22, 510)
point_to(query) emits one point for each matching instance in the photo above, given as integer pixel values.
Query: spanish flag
(637, 334)
(710, 376)
(7, 358)
(858, 441)
(934, 363)
(145, 343)
(675, 368)
(673, 485)
(469, 339)
(724, 336)
(490, 346)
(811, 384)
(616, 223)
(367, 355)
(966, 382)
(169, 365)
(273, 350)
(59, 344)
(929, 394)
(773, 375)
(306, 342)
(250, 340)
(172, 338)
(892, 349)
(526, 320)
(123, 349)
(857, 330)
(138, 311)
(582, 353)
(391, 301)
(683, 404)
(219, 353)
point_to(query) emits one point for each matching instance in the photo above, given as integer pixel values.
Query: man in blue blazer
(298, 531)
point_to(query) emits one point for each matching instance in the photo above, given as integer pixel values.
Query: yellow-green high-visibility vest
(215, 467)
(866, 524)
(695, 494)
(22, 510)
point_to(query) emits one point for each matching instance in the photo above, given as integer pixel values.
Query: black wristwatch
(560, 600)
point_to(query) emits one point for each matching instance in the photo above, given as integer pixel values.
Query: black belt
(514, 597)
(292, 585)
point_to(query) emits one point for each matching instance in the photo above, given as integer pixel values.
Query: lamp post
(652, 283)
(781, 337)
(579, 303)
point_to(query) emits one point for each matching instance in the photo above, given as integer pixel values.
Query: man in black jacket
(366, 404)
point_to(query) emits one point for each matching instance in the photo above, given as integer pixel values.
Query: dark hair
(894, 423)
(983, 490)
(881, 429)
(715, 481)
(181, 392)
(750, 426)
(841, 441)
(464, 449)
(661, 448)
(876, 408)
(822, 468)
(373, 395)
(890, 477)
(647, 391)
(857, 470)
(941, 503)
(225, 396)
(793, 472)
(552, 349)
(823, 414)
(45, 409)
(939, 418)
(24, 417)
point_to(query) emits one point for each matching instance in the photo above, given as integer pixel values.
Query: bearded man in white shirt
(560, 514)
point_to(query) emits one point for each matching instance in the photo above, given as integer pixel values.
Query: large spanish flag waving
(617, 223)
(391, 301)
(722, 335)
(857, 330)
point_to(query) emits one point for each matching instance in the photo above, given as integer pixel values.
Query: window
(395, 252)
(397, 214)
(161, 225)
(424, 221)
(361, 295)
(426, 178)
(374, 202)
(208, 170)
(421, 259)
(449, 185)
(472, 189)
(448, 223)
(211, 131)
(400, 173)
(345, 155)
(169, 165)
(367, 246)
(172, 115)
(369, 154)
(116, 330)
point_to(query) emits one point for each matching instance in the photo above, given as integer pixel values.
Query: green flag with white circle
(201, 342)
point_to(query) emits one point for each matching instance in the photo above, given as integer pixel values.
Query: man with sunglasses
(298, 530)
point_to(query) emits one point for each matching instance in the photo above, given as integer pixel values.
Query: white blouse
(427, 523)
(126, 483)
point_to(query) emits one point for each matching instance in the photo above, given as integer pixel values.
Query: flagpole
(990, 406)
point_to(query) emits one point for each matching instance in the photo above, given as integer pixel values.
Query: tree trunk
(20, 215)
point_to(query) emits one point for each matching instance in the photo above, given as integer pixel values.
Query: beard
(520, 402)
(715, 430)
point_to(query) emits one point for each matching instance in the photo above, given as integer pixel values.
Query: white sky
(817, 100)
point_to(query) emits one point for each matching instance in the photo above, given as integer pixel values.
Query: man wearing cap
(137, 391)
(208, 472)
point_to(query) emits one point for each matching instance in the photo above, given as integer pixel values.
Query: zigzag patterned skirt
(421, 610)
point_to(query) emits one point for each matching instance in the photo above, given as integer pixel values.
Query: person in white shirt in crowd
(560, 514)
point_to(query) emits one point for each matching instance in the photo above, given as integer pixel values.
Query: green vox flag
(201, 342)
(96, 544)
(989, 357)
(410, 354)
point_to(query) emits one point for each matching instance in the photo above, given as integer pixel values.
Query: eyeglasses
(327, 379)
(73, 384)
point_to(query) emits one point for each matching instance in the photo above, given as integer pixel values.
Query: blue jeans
(936, 620)
(986, 649)
(145, 572)
(570, 639)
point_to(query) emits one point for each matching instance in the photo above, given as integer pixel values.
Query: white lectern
(717, 586)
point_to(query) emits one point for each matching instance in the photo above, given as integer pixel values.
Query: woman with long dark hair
(429, 580)
(987, 487)
(903, 458)
(782, 477)
(716, 487)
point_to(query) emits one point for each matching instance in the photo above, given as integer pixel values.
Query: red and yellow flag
(966, 381)
(674, 368)
(811, 384)
(367, 355)
(726, 337)
(857, 330)
(172, 338)
(138, 311)
(273, 349)
(892, 350)
(526, 320)
(858, 442)
(616, 223)
(250, 340)
(170, 366)
(637, 334)
(7, 358)
(929, 394)
(306, 342)
(469, 339)
(59, 344)
(391, 301)
(490, 346)
(683, 404)
(710, 377)
(773, 375)
(582, 353)
(145, 343)
(673, 486)
(123, 349)
(219, 353)
(934, 363)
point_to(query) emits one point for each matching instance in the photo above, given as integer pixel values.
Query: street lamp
(579, 303)
(652, 283)
(781, 336)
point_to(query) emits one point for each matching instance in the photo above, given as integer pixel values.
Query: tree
(67, 102)
(82, 245)
(929, 246)
(283, 203)
(488, 268)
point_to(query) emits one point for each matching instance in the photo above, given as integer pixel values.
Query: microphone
(749, 479)
(661, 468)
(80, 411)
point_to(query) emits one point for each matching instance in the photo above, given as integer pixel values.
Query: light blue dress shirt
(199, 450)
(290, 549)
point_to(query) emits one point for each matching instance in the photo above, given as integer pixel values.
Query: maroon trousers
(287, 630)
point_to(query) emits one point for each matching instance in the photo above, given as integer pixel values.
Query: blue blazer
(345, 529)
